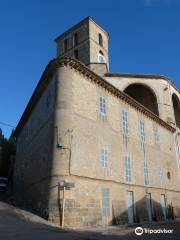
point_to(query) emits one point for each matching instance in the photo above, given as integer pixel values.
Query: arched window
(101, 58)
(176, 106)
(100, 40)
(75, 39)
(144, 95)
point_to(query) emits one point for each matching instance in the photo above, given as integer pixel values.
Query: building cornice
(113, 90)
(81, 68)
(136, 75)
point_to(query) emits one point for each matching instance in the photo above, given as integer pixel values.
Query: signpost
(63, 185)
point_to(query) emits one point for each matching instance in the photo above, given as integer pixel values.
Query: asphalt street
(23, 225)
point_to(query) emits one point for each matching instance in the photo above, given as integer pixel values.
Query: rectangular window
(149, 206)
(75, 39)
(142, 132)
(125, 124)
(76, 54)
(146, 174)
(163, 205)
(156, 136)
(100, 40)
(128, 169)
(142, 135)
(160, 175)
(102, 105)
(65, 45)
(130, 207)
(105, 202)
(104, 157)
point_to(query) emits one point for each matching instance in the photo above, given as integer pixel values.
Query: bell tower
(87, 42)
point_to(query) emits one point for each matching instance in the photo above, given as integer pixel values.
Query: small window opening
(100, 52)
(75, 39)
(169, 175)
(65, 45)
(100, 40)
(76, 54)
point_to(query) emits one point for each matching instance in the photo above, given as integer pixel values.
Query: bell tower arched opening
(176, 106)
(144, 95)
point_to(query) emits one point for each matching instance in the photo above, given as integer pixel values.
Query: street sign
(63, 185)
(67, 185)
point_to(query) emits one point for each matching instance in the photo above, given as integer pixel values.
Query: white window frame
(104, 157)
(128, 169)
(142, 132)
(125, 122)
(105, 202)
(146, 173)
(156, 136)
(102, 105)
(160, 175)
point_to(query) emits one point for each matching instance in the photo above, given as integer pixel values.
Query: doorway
(163, 205)
(149, 206)
(130, 205)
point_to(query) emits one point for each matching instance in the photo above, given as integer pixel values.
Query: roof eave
(77, 65)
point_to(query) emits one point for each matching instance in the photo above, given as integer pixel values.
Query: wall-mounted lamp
(60, 145)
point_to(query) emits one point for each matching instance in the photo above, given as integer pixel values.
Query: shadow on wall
(15, 224)
(176, 106)
(143, 211)
(36, 188)
(33, 170)
(139, 212)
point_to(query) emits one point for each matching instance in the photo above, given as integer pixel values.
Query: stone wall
(83, 204)
(67, 147)
(162, 89)
(89, 133)
(88, 43)
(33, 163)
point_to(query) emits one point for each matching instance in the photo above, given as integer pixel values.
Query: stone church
(96, 147)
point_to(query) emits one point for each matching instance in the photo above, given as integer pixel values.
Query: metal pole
(63, 208)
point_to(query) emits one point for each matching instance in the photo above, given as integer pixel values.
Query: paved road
(16, 224)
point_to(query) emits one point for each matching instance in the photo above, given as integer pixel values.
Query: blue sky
(144, 38)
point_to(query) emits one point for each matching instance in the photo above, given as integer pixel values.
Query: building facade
(116, 137)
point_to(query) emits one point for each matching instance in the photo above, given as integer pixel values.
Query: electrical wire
(6, 124)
